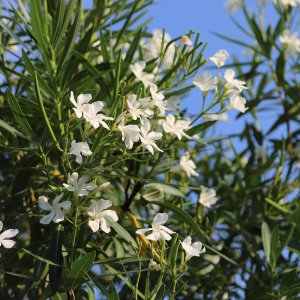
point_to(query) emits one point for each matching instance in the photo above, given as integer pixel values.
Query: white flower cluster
(80, 186)
(233, 87)
(143, 109)
(160, 43)
(290, 2)
(159, 231)
(291, 42)
(234, 5)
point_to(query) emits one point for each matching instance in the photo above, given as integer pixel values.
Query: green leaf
(31, 69)
(48, 125)
(42, 259)
(189, 220)
(287, 237)
(113, 294)
(173, 252)
(71, 38)
(152, 194)
(122, 232)
(55, 255)
(165, 189)
(80, 268)
(12, 130)
(274, 247)
(19, 115)
(63, 17)
(119, 248)
(266, 239)
(280, 66)
(96, 75)
(40, 267)
(200, 128)
(38, 25)
(116, 95)
(131, 51)
(276, 205)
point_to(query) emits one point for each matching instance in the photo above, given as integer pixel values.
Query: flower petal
(43, 203)
(102, 204)
(111, 214)
(78, 159)
(164, 235)
(142, 231)
(70, 188)
(159, 219)
(57, 199)
(94, 224)
(84, 98)
(65, 204)
(166, 229)
(9, 234)
(48, 218)
(8, 243)
(59, 216)
(104, 225)
(154, 236)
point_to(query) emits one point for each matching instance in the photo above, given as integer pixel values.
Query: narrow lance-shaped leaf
(40, 101)
(80, 268)
(19, 115)
(266, 239)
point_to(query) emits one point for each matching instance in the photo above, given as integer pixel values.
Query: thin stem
(74, 231)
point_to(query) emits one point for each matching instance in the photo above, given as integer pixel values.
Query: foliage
(78, 76)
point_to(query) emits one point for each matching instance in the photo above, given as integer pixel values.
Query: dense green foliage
(251, 234)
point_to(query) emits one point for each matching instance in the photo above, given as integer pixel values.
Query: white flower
(219, 58)
(138, 108)
(217, 117)
(82, 100)
(56, 209)
(130, 134)
(146, 78)
(153, 47)
(90, 111)
(158, 98)
(205, 82)
(290, 2)
(99, 213)
(6, 235)
(173, 104)
(186, 40)
(232, 82)
(154, 266)
(208, 196)
(238, 102)
(177, 127)
(79, 149)
(291, 41)
(80, 186)
(92, 115)
(234, 5)
(188, 165)
(158, 230)
(190, 249)
(148, 138)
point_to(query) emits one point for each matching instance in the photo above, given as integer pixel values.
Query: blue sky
(205, 17)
